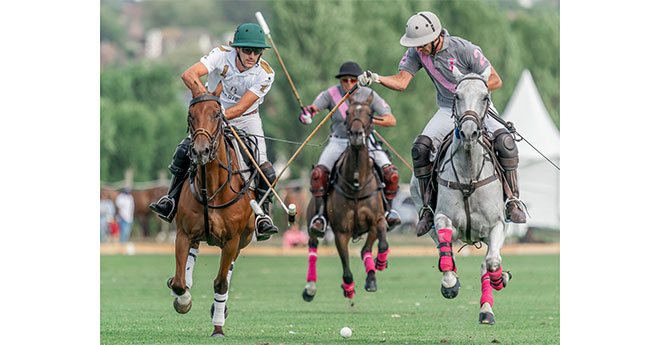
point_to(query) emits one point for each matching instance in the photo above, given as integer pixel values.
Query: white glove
(367, 78)
(305, 118)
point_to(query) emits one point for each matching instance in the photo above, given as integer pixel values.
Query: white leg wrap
(190, 266)
(231, 269)
(219, 302)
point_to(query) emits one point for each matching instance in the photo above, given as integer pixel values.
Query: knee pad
(180, 160)
(391, 177)
(506, 149)
(421, 155)
(319, 180)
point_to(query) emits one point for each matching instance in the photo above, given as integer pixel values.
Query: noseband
(213, 138)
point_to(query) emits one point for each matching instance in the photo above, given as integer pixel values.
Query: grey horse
(470, 202)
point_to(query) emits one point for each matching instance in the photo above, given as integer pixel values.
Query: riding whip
(270, 187)
(348, 94)
(393, 150)
(264, 26)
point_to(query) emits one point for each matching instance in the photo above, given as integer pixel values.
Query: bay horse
(354, 206)
(470, 202)
(224, 219)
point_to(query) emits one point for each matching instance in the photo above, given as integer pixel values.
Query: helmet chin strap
(435, 45)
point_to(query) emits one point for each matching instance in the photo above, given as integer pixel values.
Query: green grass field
(265, 304)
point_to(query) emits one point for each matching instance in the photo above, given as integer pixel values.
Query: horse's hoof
(451, 292)
(506, 278)
(370, 285)
(217, 332)
(486, 318)
(307, 297)
(181, 308)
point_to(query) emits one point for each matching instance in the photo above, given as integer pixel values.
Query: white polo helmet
(422, 28)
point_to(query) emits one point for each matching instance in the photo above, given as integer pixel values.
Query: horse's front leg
(182, 300)
(443, 238)
(312, 255)
(190, 263)
(341, 241)
(368, 260)
(221, 286)
(491, 274)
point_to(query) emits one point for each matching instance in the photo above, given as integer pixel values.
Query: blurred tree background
(143, 101)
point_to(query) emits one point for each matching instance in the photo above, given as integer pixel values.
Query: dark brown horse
(354, 205)
(214, 207)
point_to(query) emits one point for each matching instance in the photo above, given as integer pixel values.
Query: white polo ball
(346, 332)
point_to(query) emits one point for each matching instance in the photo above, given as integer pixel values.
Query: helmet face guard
(249, 35)
(422, 28)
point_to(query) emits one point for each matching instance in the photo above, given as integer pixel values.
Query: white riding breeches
(442, 123)
(251, 124)
(336, 146)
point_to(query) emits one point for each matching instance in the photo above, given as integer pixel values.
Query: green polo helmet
(249, 35)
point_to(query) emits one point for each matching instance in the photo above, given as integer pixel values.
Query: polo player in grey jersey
(431, 47)
(328, 99)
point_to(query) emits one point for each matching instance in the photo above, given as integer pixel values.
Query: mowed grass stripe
(265, 303)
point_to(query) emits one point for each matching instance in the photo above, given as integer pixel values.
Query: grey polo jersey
(455, 51)
(325, 101)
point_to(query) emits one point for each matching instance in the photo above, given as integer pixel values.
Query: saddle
(444, 147)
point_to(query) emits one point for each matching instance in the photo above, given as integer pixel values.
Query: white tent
(538, 179)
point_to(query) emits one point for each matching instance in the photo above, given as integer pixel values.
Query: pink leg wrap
(381, 260)
(486, 290)
(311, 268)
(446, 261)
(368, 262)
(496, 280)
(349, 289)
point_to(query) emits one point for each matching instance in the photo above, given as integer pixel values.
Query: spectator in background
(107, 215)
(125, 208)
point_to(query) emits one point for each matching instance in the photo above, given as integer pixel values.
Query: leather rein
(468, 188)
(202, 195)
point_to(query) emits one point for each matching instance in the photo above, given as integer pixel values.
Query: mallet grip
(262, 23)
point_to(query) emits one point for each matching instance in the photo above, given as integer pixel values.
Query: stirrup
(396, 217)
(426, 207)
(264, 218)
(323, 220)
(170, 215)
(516, 202)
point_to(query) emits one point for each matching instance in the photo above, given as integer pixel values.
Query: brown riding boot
(425, 221)
(319, 186)
(391, 177)
(514, 207)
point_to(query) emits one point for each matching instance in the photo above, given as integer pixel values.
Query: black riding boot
(265, 227)
(166, 206)
(425, 221)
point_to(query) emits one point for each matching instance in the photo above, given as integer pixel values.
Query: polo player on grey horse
(430, 46)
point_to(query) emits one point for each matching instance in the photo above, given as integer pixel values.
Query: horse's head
(359, 122)
(471, 102)
(205, 116)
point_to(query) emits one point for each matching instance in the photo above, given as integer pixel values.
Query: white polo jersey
(221, 65)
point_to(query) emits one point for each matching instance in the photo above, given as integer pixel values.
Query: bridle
(213, 137)
(366, 127)
(469, 115)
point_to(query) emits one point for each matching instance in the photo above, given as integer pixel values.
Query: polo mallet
(348, 94)
(291, 210)
(393, 150)
(264, 26)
